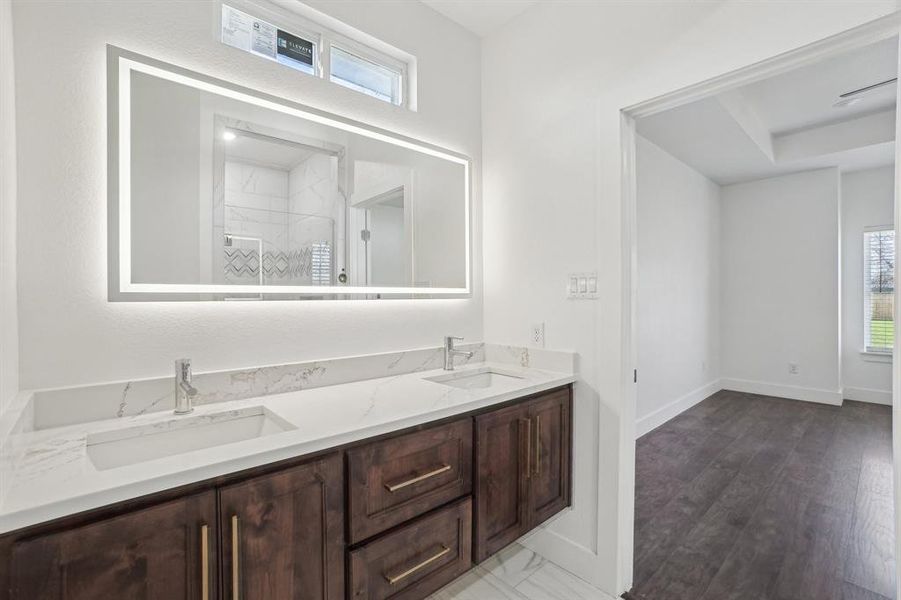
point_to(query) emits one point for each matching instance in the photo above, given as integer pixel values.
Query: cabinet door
(283, 534)
(549, 483)
(166, 552)
(501, 489)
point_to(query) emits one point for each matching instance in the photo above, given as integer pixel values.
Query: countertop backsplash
(43, 409)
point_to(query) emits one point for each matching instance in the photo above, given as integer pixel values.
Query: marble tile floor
(517, 573)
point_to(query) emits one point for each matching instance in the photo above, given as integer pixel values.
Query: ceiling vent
(855, 96)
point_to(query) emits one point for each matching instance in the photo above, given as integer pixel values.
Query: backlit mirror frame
(120, 64)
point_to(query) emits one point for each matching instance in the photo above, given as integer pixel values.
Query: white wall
(9, 342)
(780, 286)
(70, 333)
(552, 192)
(867, 200)
(678, 286)
(386, 246)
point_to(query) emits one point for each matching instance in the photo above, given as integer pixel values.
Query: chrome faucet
(184, 391)
(450, 352)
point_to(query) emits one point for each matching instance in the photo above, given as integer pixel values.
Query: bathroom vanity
(396, 513)
(365, 478)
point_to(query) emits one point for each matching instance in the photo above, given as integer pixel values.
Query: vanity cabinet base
(391, 518)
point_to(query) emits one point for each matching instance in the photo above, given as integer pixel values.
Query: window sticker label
(262, 38)
(294, 51)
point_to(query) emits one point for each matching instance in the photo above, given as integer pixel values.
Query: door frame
(361, 203)
(863, 35)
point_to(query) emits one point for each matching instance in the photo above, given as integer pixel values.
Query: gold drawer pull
(537, 445)
(423, 477)
(392, 579)
(204, 562)
(236, 577)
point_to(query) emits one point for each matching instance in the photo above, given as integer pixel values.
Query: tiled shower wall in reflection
(278, 224)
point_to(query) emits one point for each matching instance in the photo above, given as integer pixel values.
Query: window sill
(882, 357)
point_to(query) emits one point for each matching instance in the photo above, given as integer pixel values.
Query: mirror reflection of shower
(280, 206)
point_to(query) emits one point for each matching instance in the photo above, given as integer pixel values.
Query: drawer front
(417, 559)
(398, 479)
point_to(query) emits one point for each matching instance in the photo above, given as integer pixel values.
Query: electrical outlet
(794, 368)
(537, 335)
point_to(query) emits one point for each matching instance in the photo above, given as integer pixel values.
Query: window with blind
(322, 264)
(879, 289)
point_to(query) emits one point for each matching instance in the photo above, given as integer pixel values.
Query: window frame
(367, 54)
(868, 348)
(323, 39)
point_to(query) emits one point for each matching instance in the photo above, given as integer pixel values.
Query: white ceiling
(272, 153)
(481, 17)
(805, 97)
(788, 123)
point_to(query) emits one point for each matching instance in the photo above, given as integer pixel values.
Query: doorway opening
(761, 212)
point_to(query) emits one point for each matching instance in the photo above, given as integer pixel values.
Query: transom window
(311, 48)
(879, 289)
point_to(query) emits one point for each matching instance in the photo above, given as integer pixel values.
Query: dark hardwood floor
(747, 497)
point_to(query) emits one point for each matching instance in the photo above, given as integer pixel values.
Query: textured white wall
(678, 284)
(867, 200)
(780, 282)
(69, 332)
(554, 81)
(9, 342)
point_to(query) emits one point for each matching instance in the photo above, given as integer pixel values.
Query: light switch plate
(582, 286)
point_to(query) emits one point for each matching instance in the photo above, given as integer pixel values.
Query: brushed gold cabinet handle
(236, 570)
(204, 562)
(417, 479)
(528, 424)
(537, 445)
(392, 579)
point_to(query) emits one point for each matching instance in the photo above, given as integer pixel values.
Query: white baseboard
(679, 405)
(833, 397)
(868, 395)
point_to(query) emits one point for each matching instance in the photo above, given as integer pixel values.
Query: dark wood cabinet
(167, 552)
(283, 534)
(523, 469)
(501, 485)
(415, 510)
(549, 482)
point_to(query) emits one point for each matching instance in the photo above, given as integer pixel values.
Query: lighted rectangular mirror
(219, 192)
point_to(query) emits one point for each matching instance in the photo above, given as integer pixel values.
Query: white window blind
(322, 263)
(370, 77)
(879, 289)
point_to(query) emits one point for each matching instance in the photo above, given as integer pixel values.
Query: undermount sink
(485, 377)
(121, 447)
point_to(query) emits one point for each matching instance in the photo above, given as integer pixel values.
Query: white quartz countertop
(53, 475)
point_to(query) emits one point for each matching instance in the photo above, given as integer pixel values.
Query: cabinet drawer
(417, 559)
(395, 480)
